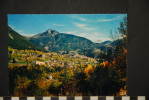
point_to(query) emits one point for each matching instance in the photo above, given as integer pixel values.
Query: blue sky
(96, 27)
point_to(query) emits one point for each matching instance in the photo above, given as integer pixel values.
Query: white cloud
(83, 26)
(58, 25)
(89, 32)
(80, 25)
(98, 20)
(71, 32)
(102, 39)
(93, 36)
(110, 19)
(82, 19)
(78, 18)
(27, 35)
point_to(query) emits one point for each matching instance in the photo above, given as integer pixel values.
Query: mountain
(17, 41)
(106, 42)
(52, 40)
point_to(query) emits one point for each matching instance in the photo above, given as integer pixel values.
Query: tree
(82, 84)
(105, 81)
(122, 29)
(120, 52)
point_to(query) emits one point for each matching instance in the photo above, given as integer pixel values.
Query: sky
(95, 27)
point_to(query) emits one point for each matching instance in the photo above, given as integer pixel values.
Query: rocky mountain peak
(47, 33)
(52, 32)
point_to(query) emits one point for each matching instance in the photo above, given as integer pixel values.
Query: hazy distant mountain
(106, 42)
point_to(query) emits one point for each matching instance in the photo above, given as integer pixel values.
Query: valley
(53, 63)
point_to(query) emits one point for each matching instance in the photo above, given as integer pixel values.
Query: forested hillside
(17, 41)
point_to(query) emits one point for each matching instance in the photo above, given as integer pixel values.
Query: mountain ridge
(54, 41)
